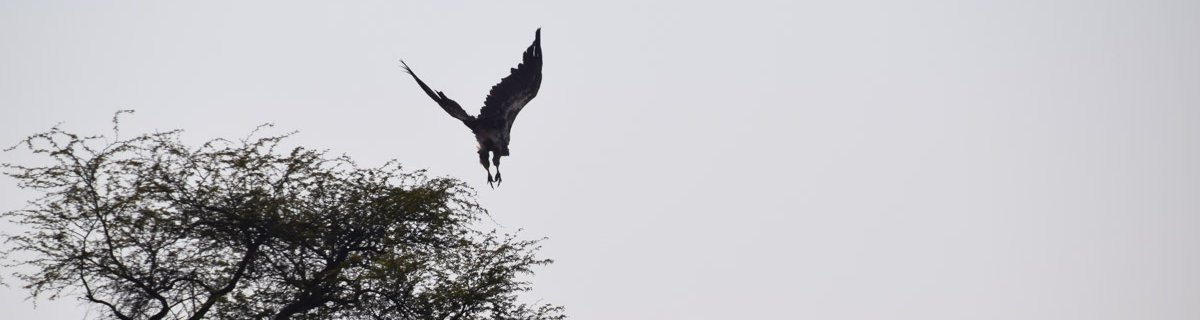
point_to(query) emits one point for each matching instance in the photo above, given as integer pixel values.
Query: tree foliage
(148, 228)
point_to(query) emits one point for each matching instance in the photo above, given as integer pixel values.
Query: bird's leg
(483, 155)
(496, 161)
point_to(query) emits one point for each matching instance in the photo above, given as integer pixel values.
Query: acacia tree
(147, 228)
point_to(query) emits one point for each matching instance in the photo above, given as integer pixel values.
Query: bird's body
(506, 99)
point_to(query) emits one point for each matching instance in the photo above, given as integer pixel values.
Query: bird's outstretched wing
(450, 106)
(508, 97)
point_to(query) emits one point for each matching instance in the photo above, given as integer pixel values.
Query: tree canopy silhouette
(148, 228)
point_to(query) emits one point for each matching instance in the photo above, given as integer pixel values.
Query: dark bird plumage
(501, 107)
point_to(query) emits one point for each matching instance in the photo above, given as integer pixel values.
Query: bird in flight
(494, 122)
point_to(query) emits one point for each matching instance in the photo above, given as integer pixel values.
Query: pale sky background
(708, 160)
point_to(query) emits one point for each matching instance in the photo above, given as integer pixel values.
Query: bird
(506, 99)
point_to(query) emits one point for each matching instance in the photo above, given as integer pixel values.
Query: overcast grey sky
(708, 160)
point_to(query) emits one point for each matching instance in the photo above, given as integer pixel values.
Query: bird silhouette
(500, 108)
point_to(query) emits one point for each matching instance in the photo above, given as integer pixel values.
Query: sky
(705, 160)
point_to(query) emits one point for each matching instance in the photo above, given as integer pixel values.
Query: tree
(147, 228)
